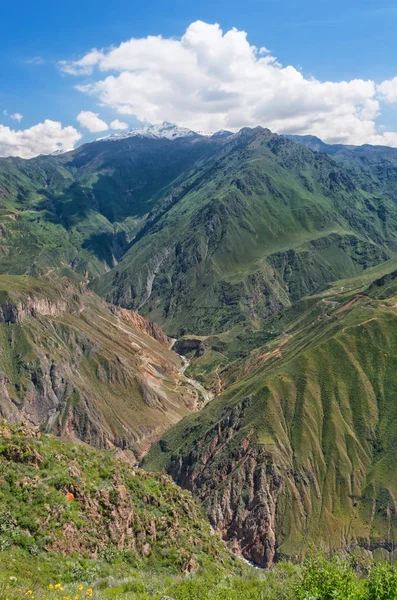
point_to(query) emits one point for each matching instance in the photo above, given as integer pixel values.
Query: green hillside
(70, 513)
(78, 211)
(373, 167)
(197, 232)
(301, 449)
(275, 267)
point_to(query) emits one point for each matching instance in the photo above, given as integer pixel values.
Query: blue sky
(329, 41)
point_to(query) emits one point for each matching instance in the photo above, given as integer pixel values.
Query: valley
(203, 330)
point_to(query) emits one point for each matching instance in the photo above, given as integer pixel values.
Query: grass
(253, 230)
(71, 513)
(318, 578)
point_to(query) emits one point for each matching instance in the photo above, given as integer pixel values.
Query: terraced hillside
(301, 449)
(75, 366)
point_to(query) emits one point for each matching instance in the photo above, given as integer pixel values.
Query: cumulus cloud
(388, 91)
(91, 121)
(210, 79)
(116, 124)
(43, 138)
(83, 66)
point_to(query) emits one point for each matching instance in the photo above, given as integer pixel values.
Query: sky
(74, 71)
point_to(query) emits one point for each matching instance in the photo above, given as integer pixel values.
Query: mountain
(196, 232)
(373, 167)
(76, 213)
(165, 130)
(299, 450)
(247, 232)
(78, 367)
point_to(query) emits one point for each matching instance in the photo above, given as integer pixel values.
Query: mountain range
(266, 266)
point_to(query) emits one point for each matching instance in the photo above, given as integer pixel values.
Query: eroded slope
(84, 369)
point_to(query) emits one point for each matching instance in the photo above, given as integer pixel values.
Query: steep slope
(76, 366)
(71, 512)
(197, 231)
(79, 210)
(301, 449)
(254, 228)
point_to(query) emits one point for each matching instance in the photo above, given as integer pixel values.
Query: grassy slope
(69, 512)
(79, 367)
(78, 211)
(319, 408)
(265, 222)
(224, 228)
(373, 167)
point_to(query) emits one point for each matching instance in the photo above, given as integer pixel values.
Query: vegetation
(248, 232)
(318, 578)
(71, 513)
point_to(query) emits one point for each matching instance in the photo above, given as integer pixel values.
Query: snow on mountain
(222, 133)
(163, 130)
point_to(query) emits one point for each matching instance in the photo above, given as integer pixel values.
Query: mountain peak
(166, 130)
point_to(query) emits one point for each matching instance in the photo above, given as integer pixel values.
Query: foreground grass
(317, 579)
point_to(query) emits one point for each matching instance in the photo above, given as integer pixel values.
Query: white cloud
(116, 124)
(388, 91)
(210, 80)
(43, 138)
(91, 121)
(17, 117)
(83, 66)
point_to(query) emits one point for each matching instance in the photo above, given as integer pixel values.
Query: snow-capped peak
(163, 130)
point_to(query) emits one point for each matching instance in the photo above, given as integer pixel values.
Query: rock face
(143, 325)
(16, 312)
(25, 297)
(242, 493)
(187, 345)
(80, 368)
